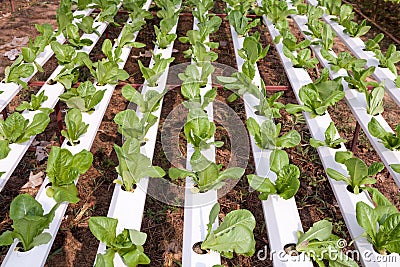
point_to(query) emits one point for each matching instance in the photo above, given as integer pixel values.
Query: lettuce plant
(301, 59)
(198, 129)
(290, 41)
(267, 134)
(163, 37)
(75, 126)
(318, 96)
(152, 74)
(63, 169)
(241, 23)
(64, 15)
(207, 175)
(268, 107)
(344, 60)
(86, 25)
(150, 102)
(389, 59)
(359, 173)
(131, 126)
(108, 72)
(201, 54)
(373, 44)
(355, 29)
(252, 52)
(70, 73)
(84, 98)
(191, 91)
(345, 14)
(17, 71)
(133, 166)
(17, 129)
(64, 53)
(276, 11)
(128, 244)
(380, 223)
(74, 39)
(330, 141)
(35, 104)
(318, 240)
(287, 183)
(389, 140)
(29, 222)
(239, 83)
(233, 235)
(332, 6)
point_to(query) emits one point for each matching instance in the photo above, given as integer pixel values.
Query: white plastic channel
(10, 90)
(358, 105)
(198, 205)
(118, 207)
(38, 255)
(346, 200)
(357, 46)
(52, 91)
(281, 216)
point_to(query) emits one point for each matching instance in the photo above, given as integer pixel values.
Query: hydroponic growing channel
(200, 133)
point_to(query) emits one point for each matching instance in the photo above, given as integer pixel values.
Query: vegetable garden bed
(193, 83)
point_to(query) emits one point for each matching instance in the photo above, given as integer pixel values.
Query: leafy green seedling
(17, 129)
(150, 102)
(234, 235)
(301, 59)
(74, 39)
(318, 96)
(287, 183)
(373, 44)
(381, 223)
(389, 59)
(239, 83)
(206, 174)
(29, 222)
(252, 52)
(86, 25)
(17, 71)
(35, 104)
(128, 244)
(344, 60)
(63, 169)
(267, 134)
(241, 23)
(133, 166)
(389, 140)
(355, 29)
(359, 173)
(330, 140)
(319, 239)
(131, 126)
(75, 126)
(199, 130)
(84, 98)
(152, 74)
(108, 72)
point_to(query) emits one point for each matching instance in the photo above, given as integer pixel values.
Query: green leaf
(212, 217)
(278, 159)
(367, 219)
(342, 156)
(320, 231)
(235, 234)
(103, 228)
(138, 238)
